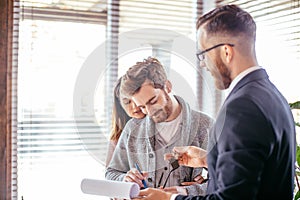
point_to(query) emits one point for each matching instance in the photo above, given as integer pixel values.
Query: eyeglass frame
(200, 55)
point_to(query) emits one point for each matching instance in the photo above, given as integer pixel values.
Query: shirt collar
(240, 77)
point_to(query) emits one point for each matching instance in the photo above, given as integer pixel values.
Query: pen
(143, 181)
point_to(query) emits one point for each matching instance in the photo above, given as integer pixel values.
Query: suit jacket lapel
(253, 76)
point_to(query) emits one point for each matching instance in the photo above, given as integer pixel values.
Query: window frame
(6, 10)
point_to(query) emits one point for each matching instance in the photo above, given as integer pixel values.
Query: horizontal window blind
(53, 39)
(178, 17)
(278, 40)
(152, 28)
(14, 99)
(278, 43)
(174, 15)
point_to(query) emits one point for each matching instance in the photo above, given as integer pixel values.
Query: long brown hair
(119, 116)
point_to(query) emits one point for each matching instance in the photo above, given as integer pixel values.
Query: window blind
(14, 99)
(278, 43)
(53, 40)
(152, 28)
(278, 40)
(6, 137)
(43, 129)
(149, 28)
(175, 16)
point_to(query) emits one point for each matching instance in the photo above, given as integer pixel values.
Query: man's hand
(153, 194)
(197, 180)
(134, 176)
(190, 156)
(176, 190)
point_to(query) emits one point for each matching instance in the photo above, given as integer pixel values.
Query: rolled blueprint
(115, 189)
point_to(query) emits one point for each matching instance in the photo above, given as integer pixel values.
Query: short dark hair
(229, 21)
(149, 69)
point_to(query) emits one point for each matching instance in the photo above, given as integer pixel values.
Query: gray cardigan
(140, 143)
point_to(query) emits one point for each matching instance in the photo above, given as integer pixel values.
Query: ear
(227, 54)
(168, 86)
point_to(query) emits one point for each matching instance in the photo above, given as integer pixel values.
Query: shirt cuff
(173, 196)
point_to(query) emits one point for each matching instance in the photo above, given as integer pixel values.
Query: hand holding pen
(143, 180)
(134, 175)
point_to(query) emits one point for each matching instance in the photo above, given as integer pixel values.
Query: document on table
(114, 189)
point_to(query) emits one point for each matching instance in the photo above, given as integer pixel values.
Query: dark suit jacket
(252, 144)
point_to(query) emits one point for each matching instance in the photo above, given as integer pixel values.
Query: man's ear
(227, 54)
(168, 86)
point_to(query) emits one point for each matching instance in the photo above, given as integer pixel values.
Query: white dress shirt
(239, 77)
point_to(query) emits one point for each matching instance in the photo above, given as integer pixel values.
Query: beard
(221, 74)
(162, 114)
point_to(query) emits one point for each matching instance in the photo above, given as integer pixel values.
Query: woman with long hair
(123, 110)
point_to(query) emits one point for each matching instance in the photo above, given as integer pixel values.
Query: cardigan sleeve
(118, 166)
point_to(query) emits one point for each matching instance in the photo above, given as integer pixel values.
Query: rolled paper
(114, 189)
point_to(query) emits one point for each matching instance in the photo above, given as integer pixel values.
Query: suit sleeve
(245, 142)
(182, 197)
(200, 140)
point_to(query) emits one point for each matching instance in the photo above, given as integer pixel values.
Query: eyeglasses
(200, 55)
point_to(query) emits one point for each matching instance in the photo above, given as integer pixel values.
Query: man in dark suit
(252, 144)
